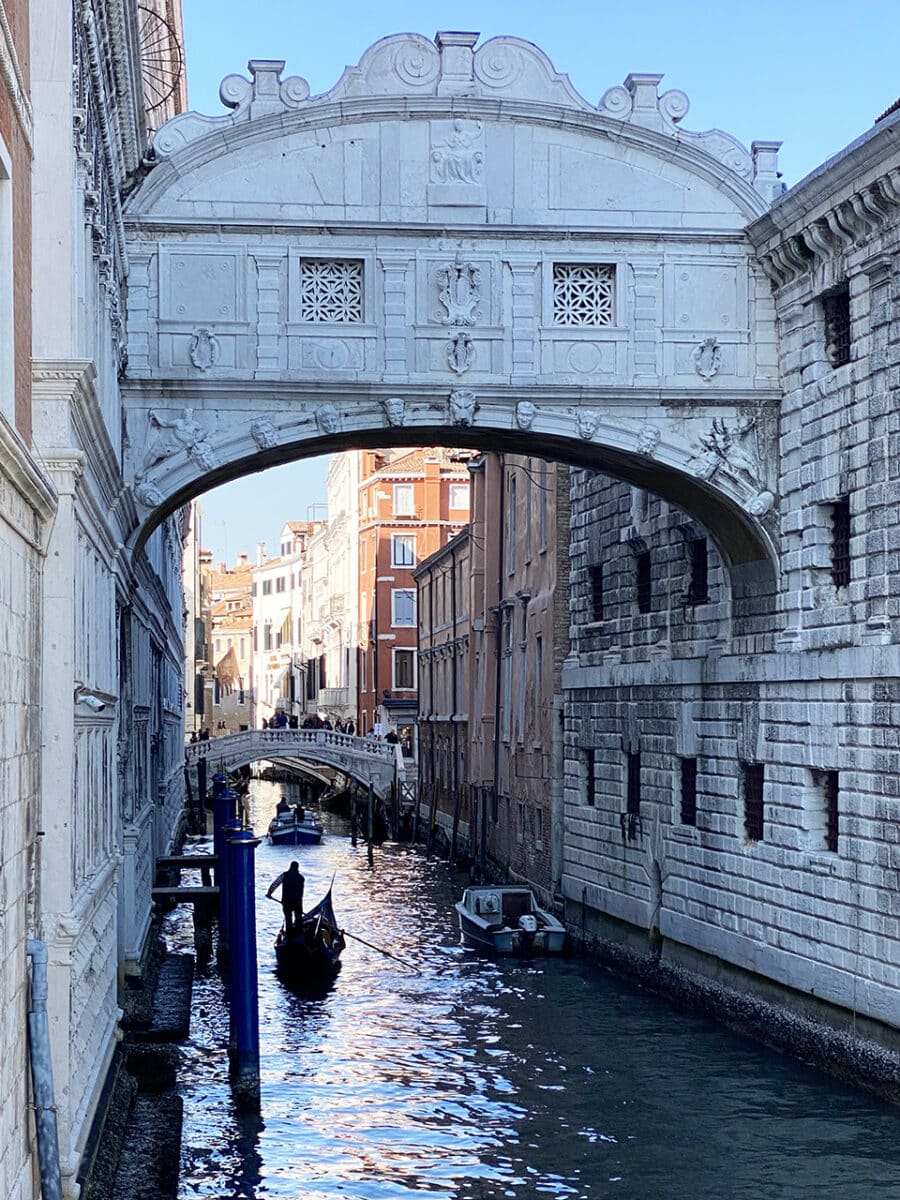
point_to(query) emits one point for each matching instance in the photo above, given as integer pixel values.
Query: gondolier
(291, 884)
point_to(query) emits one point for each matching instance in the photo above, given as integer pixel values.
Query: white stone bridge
(364, 759)
(453, 247)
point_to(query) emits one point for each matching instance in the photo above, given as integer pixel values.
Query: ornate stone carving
(205, 349)
(179, 433)
(461, 353)
(525, 414)
(727, 451)
(463, 406)
(460, 158)
(328, 418)
(648, 440)
(588, 422)
(264, 434)
(761, 503)
(707, 358)
(458, 284)
(394, 411)
(149, 495)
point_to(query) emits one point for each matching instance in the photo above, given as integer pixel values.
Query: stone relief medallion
(648, 440)
(707, 358)
(460, 157)
(394, 410)
(461, 353)
(329, 354)
(264, 434)
(204, 349)
(417, 64)
(525, 414)
(585, 358)
(588, 422)
(328, 418)
(762, 503)
(499, 66)
(463, 406)
(149, 495)
(458, 290)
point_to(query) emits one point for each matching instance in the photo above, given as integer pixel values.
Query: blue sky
(813, 74)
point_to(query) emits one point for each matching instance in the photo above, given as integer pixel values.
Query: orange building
(411, 502)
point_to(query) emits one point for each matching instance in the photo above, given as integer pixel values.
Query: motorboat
(294, 828)
(508, 920)
(310, 954)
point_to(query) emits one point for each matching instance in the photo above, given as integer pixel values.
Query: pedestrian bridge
(363, 759)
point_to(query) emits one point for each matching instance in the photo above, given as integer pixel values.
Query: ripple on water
(477, 1079)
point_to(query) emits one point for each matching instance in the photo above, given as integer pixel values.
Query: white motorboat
(508, 920)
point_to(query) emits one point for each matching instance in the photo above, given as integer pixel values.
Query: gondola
(311, 954)
(290, 829)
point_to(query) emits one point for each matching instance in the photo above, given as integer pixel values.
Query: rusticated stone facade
(732, 802)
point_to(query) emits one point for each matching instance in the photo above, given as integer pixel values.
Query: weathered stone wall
(807, 902)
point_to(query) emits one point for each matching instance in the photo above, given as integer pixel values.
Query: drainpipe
(42, 1074)
(498, 677)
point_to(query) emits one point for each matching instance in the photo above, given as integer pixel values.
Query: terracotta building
(494, 632)
(411, 502)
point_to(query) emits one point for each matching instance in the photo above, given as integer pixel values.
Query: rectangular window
(583, 294)
(538, 685)
(267, 636)
(829, 786)
(511, 527)
(595, 575)
(267, 587)
(836, 312)
(752, 779)
(403, 500)
(331, 291)
(404, 669)
(542, 508)
(633, 788)
(698, 588)
(459, 495)
(840, 542)
(590, 776)
(689, 791)
(252, 589)
(279, 584)
(523, 679)
(363, 660)
(643, 586)
(403, 549)
(506, 618)
(403, 606)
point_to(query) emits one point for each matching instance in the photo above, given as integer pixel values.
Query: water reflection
(480, 1079)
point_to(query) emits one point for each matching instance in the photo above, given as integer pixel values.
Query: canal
(469, 1078)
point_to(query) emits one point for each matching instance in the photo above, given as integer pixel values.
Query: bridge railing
(255, 742)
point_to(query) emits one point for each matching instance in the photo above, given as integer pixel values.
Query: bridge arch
(453, 247)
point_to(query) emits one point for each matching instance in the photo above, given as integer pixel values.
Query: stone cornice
(851, 198)
(32, 486)
(14, 79)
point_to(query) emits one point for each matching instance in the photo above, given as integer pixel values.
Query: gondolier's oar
(372, 946)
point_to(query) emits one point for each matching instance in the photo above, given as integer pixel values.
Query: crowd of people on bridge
(280, 720)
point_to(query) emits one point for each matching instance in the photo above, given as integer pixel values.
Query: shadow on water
(478, 1079)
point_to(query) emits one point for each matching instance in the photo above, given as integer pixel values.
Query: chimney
(242, 559)
(260, 553)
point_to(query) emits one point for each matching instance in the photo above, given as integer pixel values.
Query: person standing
(291, 883)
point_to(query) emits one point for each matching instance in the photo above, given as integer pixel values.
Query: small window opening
(840, 542)
(642, 581)
(633, 795)
(830, 790)
(698, 588)
(689, 791)
(595, 574)
(836, 309)
(754, 815)
(590, 766)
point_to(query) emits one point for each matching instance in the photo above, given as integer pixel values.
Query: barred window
(836, 310)
(840, 542)
(583, 294)
(633, 789)
(689, 791)
(595, 574)
(698, 587)
(754, 812)
(643, 581)
(590, 771)
(331, 291)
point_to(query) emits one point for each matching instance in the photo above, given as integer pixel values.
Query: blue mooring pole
(243, 990)
(223, 820)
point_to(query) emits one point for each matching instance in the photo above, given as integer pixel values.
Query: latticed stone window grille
(331, 291)
(583, 294)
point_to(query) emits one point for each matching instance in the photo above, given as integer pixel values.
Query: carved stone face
(525, 414)
(462, 407)
(648, 440)
(328, 418)
(263, 433)
(394, 410)
(588, 421)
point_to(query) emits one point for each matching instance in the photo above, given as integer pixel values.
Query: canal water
(471, 1078)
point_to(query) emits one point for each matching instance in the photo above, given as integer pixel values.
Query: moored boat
(508, 920)
(310, 953)
(291, 829)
